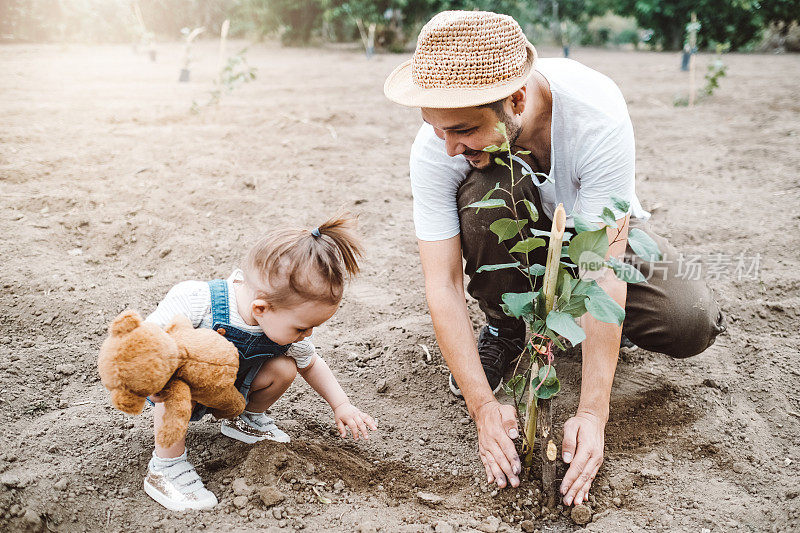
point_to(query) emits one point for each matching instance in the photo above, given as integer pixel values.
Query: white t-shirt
(592, 155)
(193, 300)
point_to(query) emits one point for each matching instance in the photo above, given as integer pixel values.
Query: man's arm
(586, 430)
(496, 423)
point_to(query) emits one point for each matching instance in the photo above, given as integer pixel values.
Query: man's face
(467, 131)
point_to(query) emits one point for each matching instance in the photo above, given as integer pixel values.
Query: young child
(290, 283)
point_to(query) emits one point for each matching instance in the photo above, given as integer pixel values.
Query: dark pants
(669, 314)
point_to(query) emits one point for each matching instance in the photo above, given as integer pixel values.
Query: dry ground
(112, 192)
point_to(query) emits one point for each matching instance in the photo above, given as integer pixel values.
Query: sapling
(235, 72)
(146, 37)
(715, 70)
(190, 36)
(553, 302)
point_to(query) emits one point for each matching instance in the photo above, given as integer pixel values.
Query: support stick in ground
(223, 46)
(544, 414)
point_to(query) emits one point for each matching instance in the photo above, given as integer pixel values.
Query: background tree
(733, 21)
(781, 14)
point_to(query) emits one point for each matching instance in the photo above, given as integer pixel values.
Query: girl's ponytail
(293, 265)
(341, 230)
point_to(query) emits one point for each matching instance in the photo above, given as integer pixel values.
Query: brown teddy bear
(180, 363)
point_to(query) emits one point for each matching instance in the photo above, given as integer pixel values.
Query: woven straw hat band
(469, 50)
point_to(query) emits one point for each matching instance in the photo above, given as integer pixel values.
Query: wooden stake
(223, 42)
(554, 256)
(539, 414)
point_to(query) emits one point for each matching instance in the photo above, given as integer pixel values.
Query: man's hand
(586, 432)
(497, 426)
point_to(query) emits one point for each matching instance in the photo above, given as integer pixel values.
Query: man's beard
(512, 132)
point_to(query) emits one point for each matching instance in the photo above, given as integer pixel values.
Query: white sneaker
(174, 483)
(253, 427)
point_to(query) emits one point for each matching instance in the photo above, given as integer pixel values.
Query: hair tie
(315, 232)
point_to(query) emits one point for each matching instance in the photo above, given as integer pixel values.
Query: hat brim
(400, 88)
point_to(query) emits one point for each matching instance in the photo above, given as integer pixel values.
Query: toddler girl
(290, 283)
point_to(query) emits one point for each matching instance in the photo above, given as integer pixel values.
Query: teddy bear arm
(229, 404)
(177, 411)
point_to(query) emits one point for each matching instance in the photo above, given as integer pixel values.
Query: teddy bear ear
(127, 402)
(125, 322)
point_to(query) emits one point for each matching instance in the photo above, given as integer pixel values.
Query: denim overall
(254, 350)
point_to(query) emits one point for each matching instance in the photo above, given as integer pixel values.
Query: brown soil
(112, 192)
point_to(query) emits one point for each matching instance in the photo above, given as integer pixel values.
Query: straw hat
(463, 59)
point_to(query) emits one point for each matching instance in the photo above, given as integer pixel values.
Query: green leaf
(564, 324)
(515, 386)
(548, 376)
(595, 242)
(519, 303)
(500, 162)
(539, 306)
(582, 286)
(591, 261)
(492, 268)
(532, 211)
(504, 147)
(501, 128)
(643, 245)
(575, 306)
(546, 392)
(523, 152)
(528, 245)
(505, 228)
(608, 217)
(488, 195)
(603, 307)
(620, 204)
(535, 270)
(491, 148)
(487, 204)
(582, 223)
(625, 272)
(566, 287)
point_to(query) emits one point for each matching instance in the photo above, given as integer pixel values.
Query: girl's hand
(348, 416)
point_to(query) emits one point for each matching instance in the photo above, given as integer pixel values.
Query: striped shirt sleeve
(189, 298)
(302, 352)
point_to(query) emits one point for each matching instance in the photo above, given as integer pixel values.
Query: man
(469, 71)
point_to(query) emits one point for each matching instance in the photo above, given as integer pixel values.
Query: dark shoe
(496, 353)
(625, 342)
